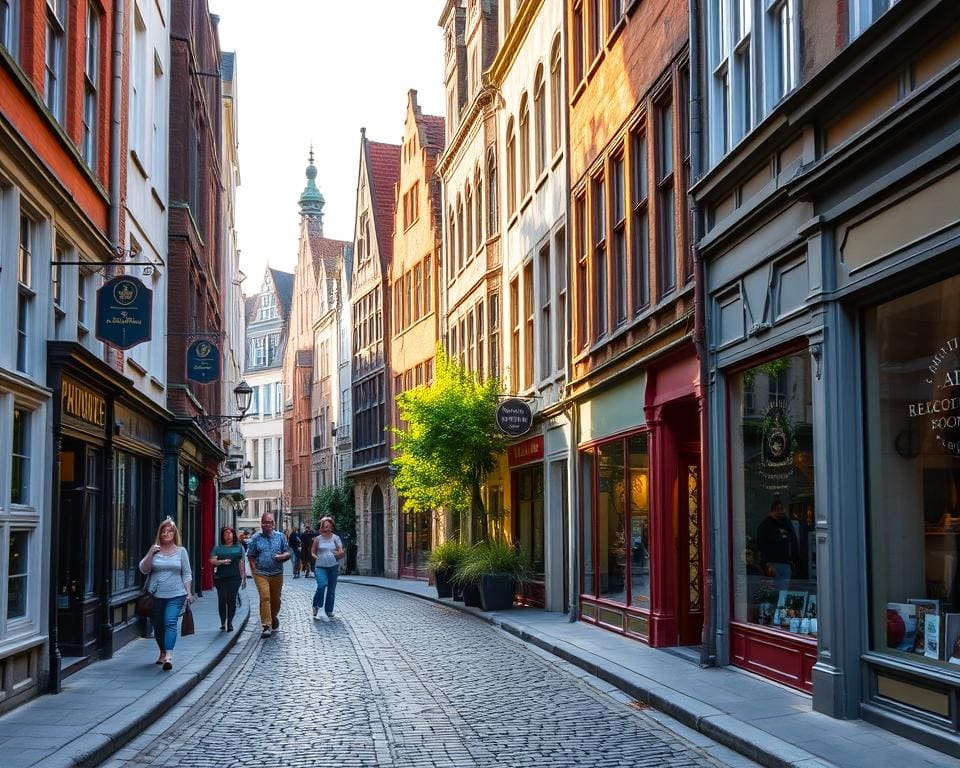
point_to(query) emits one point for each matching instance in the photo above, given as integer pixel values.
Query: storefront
(415, 542)
(106, 491)
(641, 513)
(525, 460)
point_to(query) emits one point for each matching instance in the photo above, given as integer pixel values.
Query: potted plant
(443, 562)
(495, 568)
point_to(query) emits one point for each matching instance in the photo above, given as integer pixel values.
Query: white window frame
(55, 59)
(138, 85)
(9, 37)
(862, 13)
(91, 83)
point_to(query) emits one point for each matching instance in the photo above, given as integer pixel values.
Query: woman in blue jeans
(327, 551)
(169, 579)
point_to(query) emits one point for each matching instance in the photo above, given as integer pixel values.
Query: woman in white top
(327, 550)
(169, 579)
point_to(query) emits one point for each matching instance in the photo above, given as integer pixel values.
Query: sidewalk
(109, 702)
(766, 722)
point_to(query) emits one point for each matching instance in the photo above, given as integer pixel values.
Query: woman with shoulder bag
(168, 568)
(229, 576)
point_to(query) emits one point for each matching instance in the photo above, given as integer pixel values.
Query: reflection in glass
(586, 491)
(639, 467)
(610, 522)
(17, 575)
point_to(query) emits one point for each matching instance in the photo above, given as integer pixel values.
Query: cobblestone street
(397, 681)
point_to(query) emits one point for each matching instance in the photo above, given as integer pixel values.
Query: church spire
(311, 201)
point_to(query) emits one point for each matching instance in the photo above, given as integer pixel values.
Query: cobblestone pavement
(397, 681)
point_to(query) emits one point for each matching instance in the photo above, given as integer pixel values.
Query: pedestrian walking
(295, 543)
(328, 551)
(169, 579)
(306, 550)
(228, 576)
(266, 552)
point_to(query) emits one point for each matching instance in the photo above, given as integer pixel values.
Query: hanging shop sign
(514, 417)
(203, 361)
(124, 306)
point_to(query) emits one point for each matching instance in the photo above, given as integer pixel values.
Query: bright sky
(317, 71)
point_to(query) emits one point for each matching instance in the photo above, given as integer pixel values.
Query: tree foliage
(336, 501)
(450, 441)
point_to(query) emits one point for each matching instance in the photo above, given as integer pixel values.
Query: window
(481, 360)
(640, 236)
(615, 11)
(578, 39)
(864, 12)
(492, 223)
(91, 79)
(912, 377)
(528, 336)
(783, 57)
(580, 223)
(56, 276)
(83, 282)
(560, 251)
(254, 458)
(556, 98)
(619, 245)
(596, 29)
(268, 307)
(478, 217)
(468, 222)
(686, 213)
(427, 285)
(270, 457)
(159, 144)
(546, 326)
(55, 65)
(25, 292)
(666, 229)
(515, 333)
(17, 569)
(451, 250)
(540, 116)
(21, 454)
(460, 233)
(772, 484)
(127, 517)
(511, 169)
(259, 351)
(494, 304)
(524, 147)
(417, 292)
(273, 349)
(138, 85)
(600, 287)
(407, 299)
(9, 25)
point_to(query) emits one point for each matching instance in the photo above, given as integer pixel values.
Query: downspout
(708, 647)
(573, 409)
(116, 115)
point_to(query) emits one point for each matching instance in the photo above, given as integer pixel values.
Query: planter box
(442, 582)
(497, 591)
(457, 592)
(471, 595)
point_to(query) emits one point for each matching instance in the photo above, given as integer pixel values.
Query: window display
(912, 415)
(775, 566)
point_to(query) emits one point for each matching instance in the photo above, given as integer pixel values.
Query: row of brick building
(102, 439)
(713, 244)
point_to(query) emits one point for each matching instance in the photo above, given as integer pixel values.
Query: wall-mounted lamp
(243, 393)
(816, 352)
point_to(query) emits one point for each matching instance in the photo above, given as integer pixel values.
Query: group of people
(169, 577)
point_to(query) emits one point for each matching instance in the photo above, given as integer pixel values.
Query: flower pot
(471, 595)
(497, 591)
(457, 591)
(442, 578)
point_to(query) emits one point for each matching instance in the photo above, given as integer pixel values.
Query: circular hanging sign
(514, 417)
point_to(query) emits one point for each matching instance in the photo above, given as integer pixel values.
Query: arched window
(451, 247)
(468, 222)
(524, 146)
(511, 168)
(478, 183)
(492, 208)
(556, 97)
(540, 125)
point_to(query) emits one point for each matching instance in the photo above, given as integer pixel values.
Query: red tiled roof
(324, 252)
(434, 133)
(384, 175)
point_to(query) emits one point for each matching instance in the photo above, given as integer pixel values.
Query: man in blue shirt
(266, 552)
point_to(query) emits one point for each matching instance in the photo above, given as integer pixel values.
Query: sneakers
(266, 631)
(316, 614)
(276, 624)
(330, 615)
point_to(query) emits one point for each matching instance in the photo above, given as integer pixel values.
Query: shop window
(774, 542)
(128, 516)
(912, 370)
(529, 485)
(21, 449)
(17, 583)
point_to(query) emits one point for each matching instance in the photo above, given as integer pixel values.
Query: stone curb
(749, 741)
(116, 731)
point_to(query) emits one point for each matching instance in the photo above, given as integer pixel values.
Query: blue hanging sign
(124, 308)
(203, 361)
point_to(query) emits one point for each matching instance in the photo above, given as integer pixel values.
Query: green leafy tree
(450, 442)
(336, 501)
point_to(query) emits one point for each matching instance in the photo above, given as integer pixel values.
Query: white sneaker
(316, 614)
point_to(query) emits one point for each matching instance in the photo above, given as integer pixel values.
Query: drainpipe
(116, 114)
(708, 646)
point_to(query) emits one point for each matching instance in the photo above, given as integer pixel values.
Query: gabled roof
(325, 252)
(283, 284)
(384, 173)
(434, 133)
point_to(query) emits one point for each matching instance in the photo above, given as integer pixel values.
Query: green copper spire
(311, 201)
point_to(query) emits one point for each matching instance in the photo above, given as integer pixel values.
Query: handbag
(145, 600)
(186, 626)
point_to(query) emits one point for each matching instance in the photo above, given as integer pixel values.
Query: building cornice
(515, 38)
(485, 96)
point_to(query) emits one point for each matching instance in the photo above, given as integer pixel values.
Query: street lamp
(247, 470)
(243, 394)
